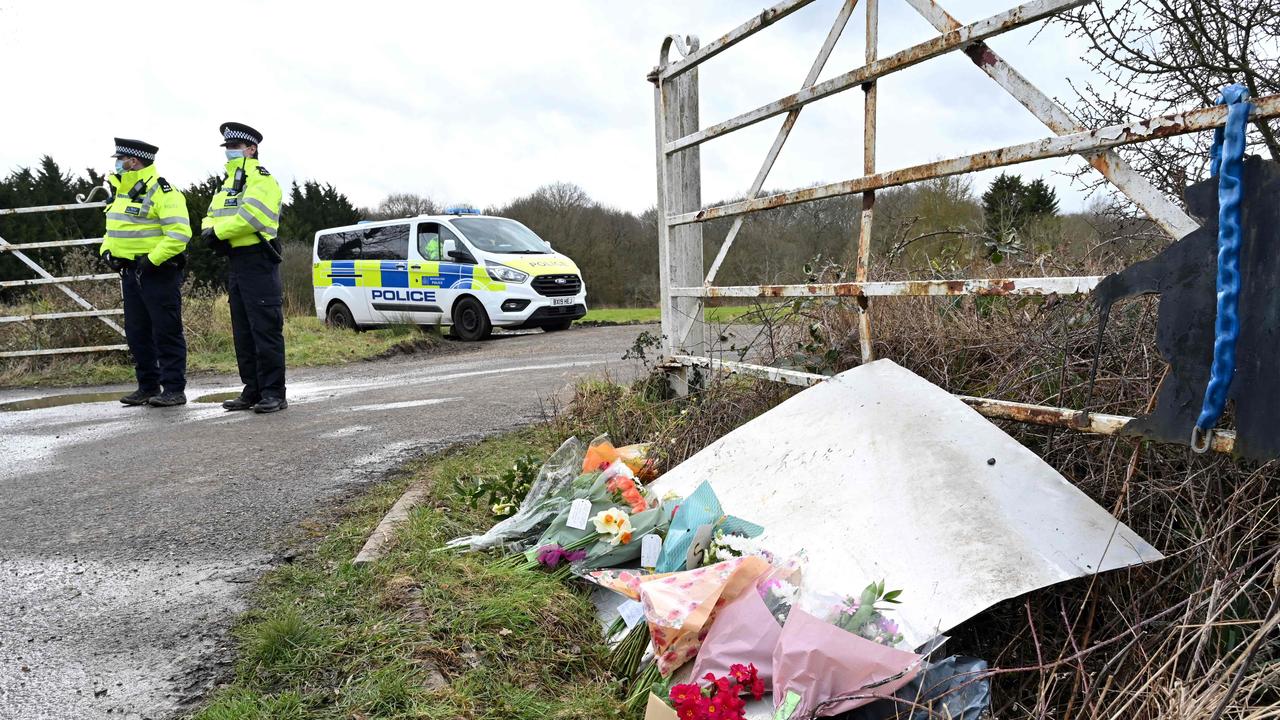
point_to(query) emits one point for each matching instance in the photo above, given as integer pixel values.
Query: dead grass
(1164, 641)
(206, 316)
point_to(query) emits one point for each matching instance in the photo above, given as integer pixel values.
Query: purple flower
(768, 585)
(550, 555)
(553, 555)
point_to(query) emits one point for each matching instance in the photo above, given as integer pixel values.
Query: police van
(468, 271)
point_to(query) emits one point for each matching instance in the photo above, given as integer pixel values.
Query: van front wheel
(470, 321)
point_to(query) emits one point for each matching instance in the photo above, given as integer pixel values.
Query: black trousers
(257, 323)
(153, 326)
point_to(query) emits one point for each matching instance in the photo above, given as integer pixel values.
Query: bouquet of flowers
(720, 698)
(622, 511)
(601, 454)
(747, 628)
(700, 513)
(836, 656)
(729, 545)
(860, 616)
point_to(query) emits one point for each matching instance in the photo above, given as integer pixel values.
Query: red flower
(685, 693)
(692, 711)
(726, 686)
(757, 689)
(733, 705)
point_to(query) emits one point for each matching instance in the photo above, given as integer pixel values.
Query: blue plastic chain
(1226, 162)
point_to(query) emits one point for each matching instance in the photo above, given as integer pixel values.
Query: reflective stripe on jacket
(237, 217)
(145, 218)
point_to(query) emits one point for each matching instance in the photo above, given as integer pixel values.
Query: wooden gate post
(680, 258)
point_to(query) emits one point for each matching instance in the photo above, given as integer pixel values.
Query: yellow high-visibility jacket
(147, 216)
(238, 217)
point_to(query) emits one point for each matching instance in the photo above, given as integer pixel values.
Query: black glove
(144, 264)
(112, 261)
(215, 243)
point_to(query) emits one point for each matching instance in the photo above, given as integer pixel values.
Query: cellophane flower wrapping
(548, 497)
(609, 549)
(601, 454)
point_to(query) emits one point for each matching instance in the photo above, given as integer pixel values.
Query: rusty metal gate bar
(679, 183)
(47, 278)
(1097, 423)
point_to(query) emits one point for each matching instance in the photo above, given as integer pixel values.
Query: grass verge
(308, 343)
(647, 316)
(420, 633)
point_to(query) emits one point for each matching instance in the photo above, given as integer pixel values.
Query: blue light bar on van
(461, 211)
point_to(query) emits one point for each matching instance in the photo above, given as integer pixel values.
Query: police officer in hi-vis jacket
(146, 237)
(242, 223)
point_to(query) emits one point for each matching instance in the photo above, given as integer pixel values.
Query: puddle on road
(59, 401)
(217, 397)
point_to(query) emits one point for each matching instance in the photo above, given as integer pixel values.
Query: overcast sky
(485, 100)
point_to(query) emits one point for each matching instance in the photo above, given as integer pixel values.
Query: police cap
(239, 132)
(135, 148)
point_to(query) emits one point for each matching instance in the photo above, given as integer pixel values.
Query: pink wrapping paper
(680, 607)
(624, 582)
(817, 662)
(744, 632)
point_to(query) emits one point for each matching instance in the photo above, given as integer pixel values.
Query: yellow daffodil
(613, 522)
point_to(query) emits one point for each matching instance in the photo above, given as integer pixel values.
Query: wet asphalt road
(130, 537)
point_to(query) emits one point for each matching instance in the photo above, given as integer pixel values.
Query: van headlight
(506, 274)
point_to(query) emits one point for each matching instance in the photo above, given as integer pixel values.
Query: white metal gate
(685, 286)
(20, 251)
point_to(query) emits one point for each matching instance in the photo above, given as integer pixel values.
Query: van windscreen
(500, 235)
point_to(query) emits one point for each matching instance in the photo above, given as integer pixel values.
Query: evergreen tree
(314, 207)
(204, 267)
(1009, 206)
(1041, 200)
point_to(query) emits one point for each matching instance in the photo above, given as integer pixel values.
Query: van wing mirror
(461, 256)
(457, 254)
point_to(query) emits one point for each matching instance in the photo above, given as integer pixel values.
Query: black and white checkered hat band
(237, 135)
(134, 152)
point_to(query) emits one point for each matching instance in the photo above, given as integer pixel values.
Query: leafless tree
(399, 205)
(1155, 57)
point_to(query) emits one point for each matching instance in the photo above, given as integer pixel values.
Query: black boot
(169, 399)
(270, 405)
(139, 397)
(244, 402)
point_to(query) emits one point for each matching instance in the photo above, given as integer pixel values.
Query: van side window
(339, 246)
(429, 241)
(448, 239)
(389, 242)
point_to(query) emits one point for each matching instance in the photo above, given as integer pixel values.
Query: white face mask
(235, 154)
(119, 165)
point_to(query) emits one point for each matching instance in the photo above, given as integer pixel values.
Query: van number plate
(561, 301)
